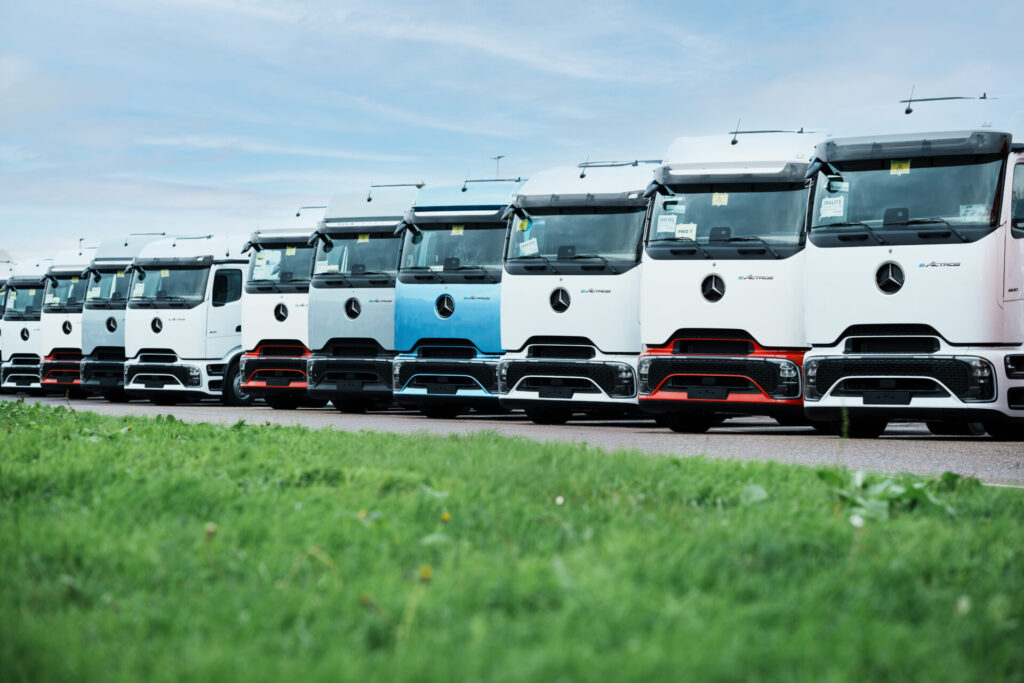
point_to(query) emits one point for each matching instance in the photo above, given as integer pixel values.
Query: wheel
(549, 416)
(116, 397)
(955, 428)
(823, 427)
(163, 400)
(283, 402)
(349, 405)
(862, 429)
(440, 412)
(232, 393)
(1005, 431)
(791, 421)
(688, 424)
(313, 403)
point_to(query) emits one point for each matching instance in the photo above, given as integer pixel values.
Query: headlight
(789, 379)
(643, 368)
(625, 384)
(194, 376)
(396, 369)
(981, 382)
(811, 392)
(503, 387)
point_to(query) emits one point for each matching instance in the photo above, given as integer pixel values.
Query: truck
(352, 297)
(106, 298)
(721, 310)
(60, 325)
(275, 307)
(916, 252)
(183, 324)
(448, 299)
(19, 329)
(570, 322)
(5, 273)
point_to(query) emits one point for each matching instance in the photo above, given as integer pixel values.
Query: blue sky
(223, 115)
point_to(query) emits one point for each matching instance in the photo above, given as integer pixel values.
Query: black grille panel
(602, 375)
(107, 353)
(482, 373)
(446, 352)
(761, 372)
(952, 373)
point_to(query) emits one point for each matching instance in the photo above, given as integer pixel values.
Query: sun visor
(953, 143)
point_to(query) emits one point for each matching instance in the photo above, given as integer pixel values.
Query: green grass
(151, 550)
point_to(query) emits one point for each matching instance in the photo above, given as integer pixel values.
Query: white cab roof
(220, 247)
(761, 153)
(124, 249)
(72, 260)
(566, 180)
(391, 202)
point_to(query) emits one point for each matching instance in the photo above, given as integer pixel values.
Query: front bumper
(61, 373)
(347, 378)
(274, 375)
(191, 378)
(420, 382)
(20, 374)
(587, 385)
(100, 376)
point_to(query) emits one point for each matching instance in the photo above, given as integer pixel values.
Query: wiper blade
(688, 240)
(853, 224)
(389, 276)
(603, 260)
(753, 238)
(936, 219)
(543, 258)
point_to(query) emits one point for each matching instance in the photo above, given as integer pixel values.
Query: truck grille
(952, 373)
(602, 375)
(762, 373)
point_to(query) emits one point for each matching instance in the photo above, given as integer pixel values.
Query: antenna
(488, 180)
(369, 194)
(735, 140)
(497, 164)
(80, 240)
(910, 100)
(303, 208)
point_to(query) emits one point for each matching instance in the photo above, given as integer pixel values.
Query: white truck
(275, 306)
(570, 321)
(5, 273)
(721, 312)
(60, 326)
(183, 326)
(102, 366)
(19, 330)
(915, 271)
(352, 298)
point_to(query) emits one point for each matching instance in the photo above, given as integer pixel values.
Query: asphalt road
(905, 447)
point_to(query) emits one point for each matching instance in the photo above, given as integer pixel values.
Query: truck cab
(721, 314)
(448, 296)
(60, 326)
(5, 273)
(352, 298)
(106, 298)
(19, 329)
(915, 272)
(275, 310)
(570, 321)
(183, 325)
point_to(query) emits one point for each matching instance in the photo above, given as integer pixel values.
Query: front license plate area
(350, 385)
(555, 392)
(708, 393)
(886, 398)
(442, 389)
(278, 382)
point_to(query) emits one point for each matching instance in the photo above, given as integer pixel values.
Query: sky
(224, 116)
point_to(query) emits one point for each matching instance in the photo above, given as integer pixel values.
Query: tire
(163, 400)
(862, 429)
(440, 412)
(549, 416)
(116, 397)
(955, 428)
(232, 393)
(313, 403)
(349, 405)
(1005, 431)
(790, 421)
(824, 427)
(688, 424)
(283, 402)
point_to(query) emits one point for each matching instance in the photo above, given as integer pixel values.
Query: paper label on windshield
(687, 231)
(833, 207)
(524, 225)
(899, 167)
(457, 229)
(94, 292)
(720, 199)
(120, 273)
(529, 247)
(165, 272)
(74, 280)
(31, 292)
(666, 223)
(289, 251)
(51, 300)
(974, 212)
(137, 289)
(363, 238)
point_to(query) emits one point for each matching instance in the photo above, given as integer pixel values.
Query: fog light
(503, 377)
(396, 368)
(643, 369)
(789, 379)
(981, 380)
(810, 379)
(194, 376)
(624, 383)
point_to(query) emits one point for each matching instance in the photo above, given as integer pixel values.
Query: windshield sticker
(331, 268)
(165, 272)
(261, 256)
(31, 292)
(524, 225)
(675, 207)
(899, 167)
(529, 247)
(52, 300)
(289, 251)
(833, 207)
(687, 231)
(363, 238)
(457, 229)
(138, 289)
(974, 212)
(94, 292)
(120, 273)
(719, 199)
(838, 186)
(666, 223)
(74, 280)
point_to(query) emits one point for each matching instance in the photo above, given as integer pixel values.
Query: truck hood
(182, 330)
(60, 331)
(11, 341)
(476, 314)
(261, 315)
(328, 319)
(96, 331)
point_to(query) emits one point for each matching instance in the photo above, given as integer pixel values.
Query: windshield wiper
(389, 276)
(753, 238)
(689, 240)
(853, 224)
(478, 268)
(603, 260)
(935, 219)
(543, 258)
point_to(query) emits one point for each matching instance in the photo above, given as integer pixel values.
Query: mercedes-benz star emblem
(889, 278)
(157, 325)
(353, 308)
(281, 312)
(24, 334)
(66, 327)
(713, 288)
(111, 325)
(560, 300)
(444, 306)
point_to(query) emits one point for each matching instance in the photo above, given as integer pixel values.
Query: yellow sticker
(363, 238)
(289, 251)
(165, 272)
(523, 225)
(31, 292)
(457, 229)
(720, 199)
(74, 280)
(899, 167)
(120, 273)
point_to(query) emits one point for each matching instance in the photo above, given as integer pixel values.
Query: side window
(1017, 202)
(227, 286)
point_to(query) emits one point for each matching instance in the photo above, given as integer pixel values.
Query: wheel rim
(236, 383)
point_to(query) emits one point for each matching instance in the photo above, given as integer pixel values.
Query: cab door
(1013, 273)
(224, 322)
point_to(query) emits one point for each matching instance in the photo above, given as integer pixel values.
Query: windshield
(112, 287)
(453, 246)
(67, 292)
(896, 194)
(772, 213)
(23, 301)
(170, 284)
(613, 234)
(281, 263)
(358, 253)
(3, 300)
